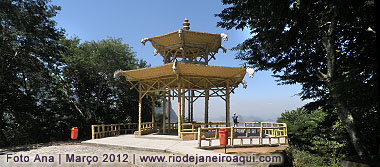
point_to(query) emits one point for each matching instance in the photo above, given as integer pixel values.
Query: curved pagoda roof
(184, 43)
(192, 72)
(193, 76)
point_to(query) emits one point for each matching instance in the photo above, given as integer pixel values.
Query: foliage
(315, 137)
(48, 84)
(303, 158)
(89, 85)
(29, 56)
(326, 46)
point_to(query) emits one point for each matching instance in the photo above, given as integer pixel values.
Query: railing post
(199, 137)
(270, 140)
(113, 130)
(261, 134)
(286, 130)
(116, 129)
(103, 133)
(93, 131)
(232, 136)
(129, 127)
(286, 134)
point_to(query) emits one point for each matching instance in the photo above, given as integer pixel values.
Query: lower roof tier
(188, 76)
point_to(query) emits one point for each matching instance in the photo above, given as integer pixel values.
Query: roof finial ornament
(186, 24)
(250, 72)
(144, 40)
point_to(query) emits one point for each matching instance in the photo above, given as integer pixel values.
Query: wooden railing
(193, 127)
(148, 127)
(250, 131)
(173, 126)
(128, 128)
(107, 130)
(100, 131)
(265, 132)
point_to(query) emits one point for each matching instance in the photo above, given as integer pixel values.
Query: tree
(29, 57)
(48, 84)
(90, 88)
(317, 132)
(326, 46)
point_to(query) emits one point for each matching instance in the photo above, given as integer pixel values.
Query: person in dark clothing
(235, 118)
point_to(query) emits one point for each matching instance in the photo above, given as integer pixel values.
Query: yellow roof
(201, 75)
(192, 40)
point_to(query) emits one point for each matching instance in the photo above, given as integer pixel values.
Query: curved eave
(192, 72)
(211, 41)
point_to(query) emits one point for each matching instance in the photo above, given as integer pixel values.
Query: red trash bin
(223, 137)
(74, 133)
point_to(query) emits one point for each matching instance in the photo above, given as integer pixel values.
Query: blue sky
(263, 100)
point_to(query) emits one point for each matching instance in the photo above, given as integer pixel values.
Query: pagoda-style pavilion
(185, 74)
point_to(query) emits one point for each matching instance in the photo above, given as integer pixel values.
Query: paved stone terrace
(154, 142)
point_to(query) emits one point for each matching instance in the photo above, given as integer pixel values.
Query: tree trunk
(330, 78)
(3, 138)
(348, 122)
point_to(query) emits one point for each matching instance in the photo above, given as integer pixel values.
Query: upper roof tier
(191, 46)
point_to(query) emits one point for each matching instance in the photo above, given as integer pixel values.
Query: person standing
(235, 118)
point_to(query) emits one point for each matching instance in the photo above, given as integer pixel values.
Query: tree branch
(328, 43)
(69, 99)
(322, 76)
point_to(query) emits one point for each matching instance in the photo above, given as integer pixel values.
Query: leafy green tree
(49, 84)
(316, 132)
(90, 88)
(326, 46)
(29, 57)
